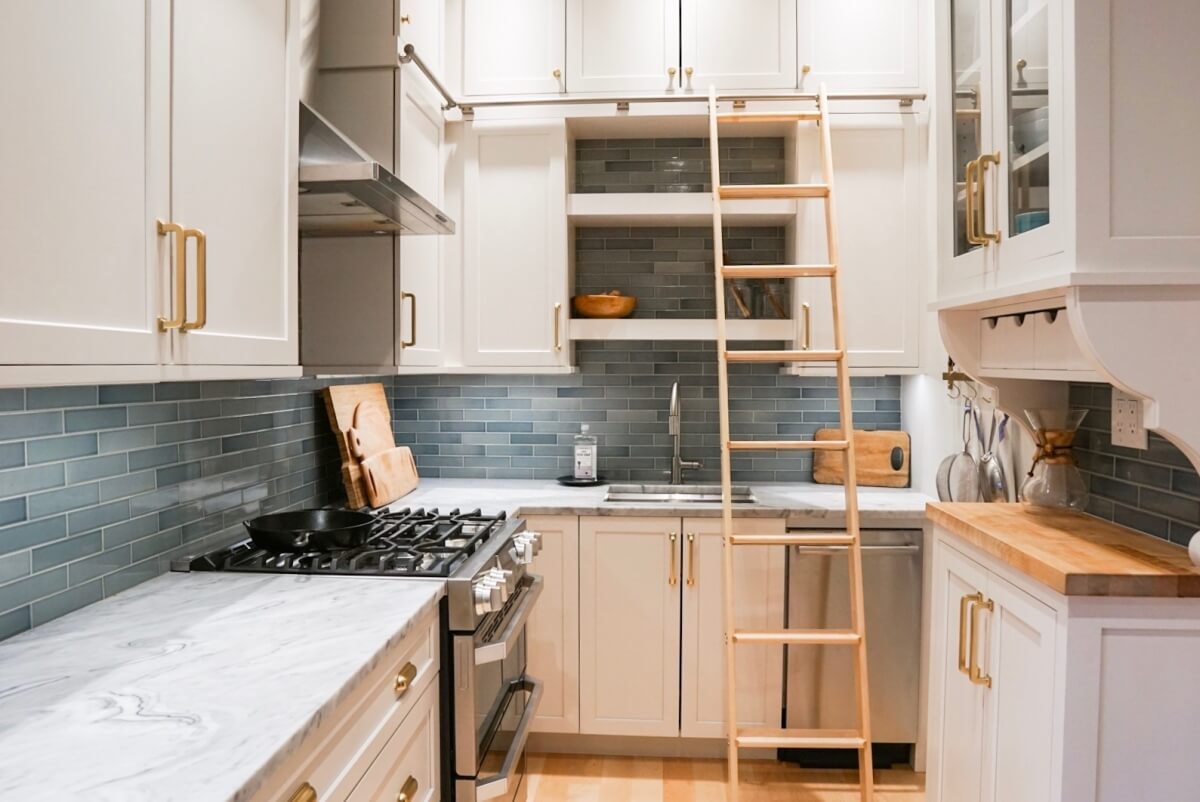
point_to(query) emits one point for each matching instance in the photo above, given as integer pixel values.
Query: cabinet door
(622, 45)
(1019, 728)
(409, 765)
(513, 48)
(759, 583)
(858, 44)
(515, 244)
(956, 704)
(629, 573)
(878, 188)
(422, 24)
(419, 306)
(967, 118)
(234, 139)
(738, 45)
(83, 160)
(552, 634)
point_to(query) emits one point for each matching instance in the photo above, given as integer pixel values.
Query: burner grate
(408, 542)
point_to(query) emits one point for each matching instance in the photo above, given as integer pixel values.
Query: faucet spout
(675, 430)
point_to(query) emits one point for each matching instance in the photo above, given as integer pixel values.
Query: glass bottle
(585, 454)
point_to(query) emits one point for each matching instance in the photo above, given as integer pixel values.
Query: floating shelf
(674, 329)
(673, 208)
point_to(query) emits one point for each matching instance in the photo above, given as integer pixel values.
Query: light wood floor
(583, 778)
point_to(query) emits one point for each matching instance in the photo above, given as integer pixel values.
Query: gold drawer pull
(179, 291)
(964, 605)
(672, 577)
(405, 679)
(408, 792)
(977, 676)
(691, 579)
(305, 793)
(201, 279)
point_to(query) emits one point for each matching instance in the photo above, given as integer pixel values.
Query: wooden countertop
(1072, 553)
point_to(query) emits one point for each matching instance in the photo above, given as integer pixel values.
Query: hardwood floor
(584, 778)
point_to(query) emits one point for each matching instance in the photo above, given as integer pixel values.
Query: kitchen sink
(675, 494)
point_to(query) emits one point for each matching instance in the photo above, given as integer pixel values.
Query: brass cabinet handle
(691, 578)
(305, 793)
(201, 279)
(671, 71)
(179, 294)
(984, 160)
(969, 195)
(672, 579)
(557, 73)
(408, 791)
(964, 605)
(557, 327)
(405, 18)
(405, 679)
(805, 69)
(688, 71)
(412, 319)
(977, 676)
(806, 313)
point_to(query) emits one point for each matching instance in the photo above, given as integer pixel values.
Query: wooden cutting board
(881, 459)
(389, 475)
(372, 430)
(351, 407)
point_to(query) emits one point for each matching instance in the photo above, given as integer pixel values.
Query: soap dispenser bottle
(585, 455)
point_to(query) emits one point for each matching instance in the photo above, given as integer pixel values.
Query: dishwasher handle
(907, 548)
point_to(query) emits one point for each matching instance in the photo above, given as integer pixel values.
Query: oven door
(495, 701)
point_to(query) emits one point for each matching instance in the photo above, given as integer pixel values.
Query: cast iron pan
(309, 530)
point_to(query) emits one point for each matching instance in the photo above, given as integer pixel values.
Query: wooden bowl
(604, 305)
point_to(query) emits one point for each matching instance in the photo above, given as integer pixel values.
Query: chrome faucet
(674, 428)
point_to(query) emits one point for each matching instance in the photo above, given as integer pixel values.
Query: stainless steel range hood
(344, 192)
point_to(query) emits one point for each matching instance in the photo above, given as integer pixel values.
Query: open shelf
(678, 329)
(673, 208)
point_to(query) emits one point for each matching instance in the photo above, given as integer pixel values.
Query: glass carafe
(1054, 479)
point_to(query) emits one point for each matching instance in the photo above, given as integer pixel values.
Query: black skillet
(309, 530)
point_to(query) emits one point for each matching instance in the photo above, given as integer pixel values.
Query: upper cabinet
(1040, 176)
(145, 127)
(738, 45)
(619, 45)
(513, 48)
(859, 44)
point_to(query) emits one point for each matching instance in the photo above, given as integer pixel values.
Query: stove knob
(487, 597)
(501, 579)
(535, 539)
(522, 550)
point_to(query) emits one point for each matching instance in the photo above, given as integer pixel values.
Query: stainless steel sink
(676, 494)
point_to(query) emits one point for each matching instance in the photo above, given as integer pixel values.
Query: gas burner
(408, 542)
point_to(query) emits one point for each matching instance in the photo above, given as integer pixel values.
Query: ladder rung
(804, 637)
(792, 539)
(778, 117)
(779, 271)
(767, 737)
(787, 445)
(784, 356)
(731, 191)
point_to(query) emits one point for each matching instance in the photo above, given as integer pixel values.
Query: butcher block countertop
(1072, 553)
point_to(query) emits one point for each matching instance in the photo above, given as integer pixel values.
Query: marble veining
(190, 687)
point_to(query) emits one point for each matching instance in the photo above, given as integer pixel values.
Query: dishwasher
(820, 679)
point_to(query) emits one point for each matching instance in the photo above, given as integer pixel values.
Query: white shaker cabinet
(514, 244)
(422, 24)
(516, 47)
(552, 633)
(859, 44)
(738, 45)
(84, 157)
(878, 179)
(759, 580)
(622, 45)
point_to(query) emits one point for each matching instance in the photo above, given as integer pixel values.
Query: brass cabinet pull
(201, 279)
(984, 235)
(969, 182)
(688, 72)
(405, 679)
(412, 320)
(672, 579)
(806, 313)
(671, 71)
(805, 69)
(179, 292)
(405, 18)
(305, 793)
(557, 327)
(691, 578)
(557, 73)
(977, 676)
(408, 791)
(964, 605)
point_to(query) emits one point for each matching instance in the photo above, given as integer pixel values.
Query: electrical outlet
(1128, 428)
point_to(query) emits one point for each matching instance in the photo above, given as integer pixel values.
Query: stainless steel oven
(494, 700)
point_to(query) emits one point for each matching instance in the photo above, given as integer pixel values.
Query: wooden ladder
(855, 637)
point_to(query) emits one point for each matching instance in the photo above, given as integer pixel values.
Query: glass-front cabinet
(1003, 194)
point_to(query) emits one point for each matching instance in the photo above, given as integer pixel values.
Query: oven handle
(498, 784)
(494, 652)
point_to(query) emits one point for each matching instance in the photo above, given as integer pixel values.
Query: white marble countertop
(804, 504)
(190, 687)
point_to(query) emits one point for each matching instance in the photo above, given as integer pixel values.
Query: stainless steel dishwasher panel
(820, 679)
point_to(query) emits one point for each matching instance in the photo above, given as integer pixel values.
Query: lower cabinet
(629, 636)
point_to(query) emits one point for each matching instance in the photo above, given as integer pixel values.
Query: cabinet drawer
(406, 770)
(335, 757)
(1006, 342)
(1054, 346)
